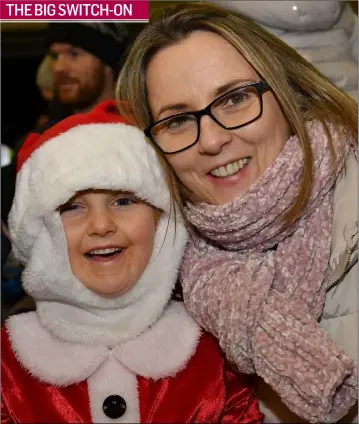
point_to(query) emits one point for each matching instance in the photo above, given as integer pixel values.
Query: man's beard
(81, 96)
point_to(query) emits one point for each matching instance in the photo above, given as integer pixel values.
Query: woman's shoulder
(345, 214)
(339, 317)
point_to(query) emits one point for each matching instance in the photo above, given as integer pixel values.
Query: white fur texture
(112, 378)
(161, 351)
(48, 359)
(74, 313)
(104, 156)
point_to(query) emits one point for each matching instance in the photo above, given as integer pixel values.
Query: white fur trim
(105, 156)
(113, 379)
(152, 355)
(47, 358)
(161, 351)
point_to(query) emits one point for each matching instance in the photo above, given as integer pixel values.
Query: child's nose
(101, 223)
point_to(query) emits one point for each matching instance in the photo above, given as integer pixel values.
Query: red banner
(74, 10)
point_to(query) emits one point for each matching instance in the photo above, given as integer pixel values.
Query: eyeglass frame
(260, 86)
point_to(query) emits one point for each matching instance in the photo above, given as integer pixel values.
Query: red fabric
(26, 399)
(241, 404)
(105, 113)
(5, 415)
(204, 392)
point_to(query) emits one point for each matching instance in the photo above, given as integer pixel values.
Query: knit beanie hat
(96, 150)
(107, 41)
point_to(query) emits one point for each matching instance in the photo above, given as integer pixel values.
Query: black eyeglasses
(232, 110)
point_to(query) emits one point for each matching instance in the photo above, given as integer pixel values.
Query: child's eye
(124, 201)
(68, 207)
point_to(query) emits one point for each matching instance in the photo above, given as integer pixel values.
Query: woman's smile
(230, 168)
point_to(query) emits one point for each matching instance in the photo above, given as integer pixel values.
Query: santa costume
(80, 357)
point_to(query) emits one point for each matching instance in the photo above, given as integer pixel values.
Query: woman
(262, 152)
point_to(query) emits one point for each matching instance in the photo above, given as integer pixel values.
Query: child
(93, 223)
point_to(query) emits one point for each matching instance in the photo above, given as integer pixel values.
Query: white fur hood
(90, 151)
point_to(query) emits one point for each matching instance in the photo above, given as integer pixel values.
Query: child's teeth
(104, 251)
(230, 169)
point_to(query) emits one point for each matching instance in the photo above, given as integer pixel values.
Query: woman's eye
(234, 99)
(177, 122)
(124, 201)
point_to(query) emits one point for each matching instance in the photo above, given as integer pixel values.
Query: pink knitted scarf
(260, 288)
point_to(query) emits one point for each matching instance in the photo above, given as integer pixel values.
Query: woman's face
(187, 77)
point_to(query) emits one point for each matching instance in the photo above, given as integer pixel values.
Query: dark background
(23, 46)
(22, 50)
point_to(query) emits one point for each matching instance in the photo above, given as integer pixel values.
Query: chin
(67, 97)
(110, 294)
(66, 100)
(110, 290)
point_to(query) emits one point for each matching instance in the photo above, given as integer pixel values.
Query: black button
(114, 406)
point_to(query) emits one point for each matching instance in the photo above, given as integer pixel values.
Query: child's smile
(104, 254)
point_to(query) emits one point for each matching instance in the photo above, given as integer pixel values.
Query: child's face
(109, 239)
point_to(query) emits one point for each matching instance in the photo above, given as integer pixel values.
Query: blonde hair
(303, 93)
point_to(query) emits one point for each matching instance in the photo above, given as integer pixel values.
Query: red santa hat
(96, 150)
(104, 113)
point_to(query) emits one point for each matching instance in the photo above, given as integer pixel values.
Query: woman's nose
(101, 223)
(212, 136)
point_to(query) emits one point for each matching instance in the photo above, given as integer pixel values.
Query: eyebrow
(229, 85)
(175, 107)
(67, 49)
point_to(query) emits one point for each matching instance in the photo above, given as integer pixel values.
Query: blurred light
(294, 7)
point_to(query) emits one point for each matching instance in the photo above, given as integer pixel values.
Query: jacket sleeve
(241, 405)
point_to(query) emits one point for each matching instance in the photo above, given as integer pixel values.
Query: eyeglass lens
(235, 109)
